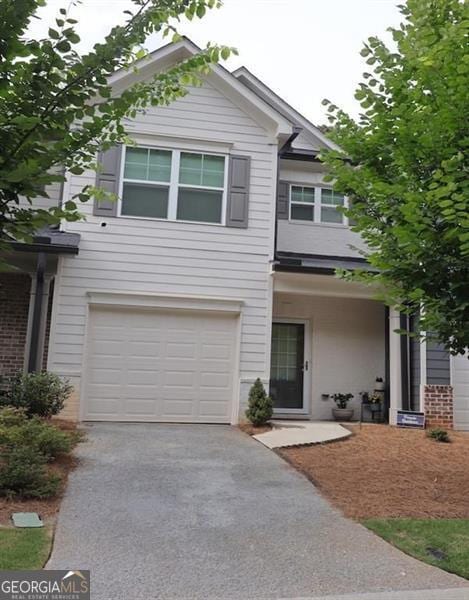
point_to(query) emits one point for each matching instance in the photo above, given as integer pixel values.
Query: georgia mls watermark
(45, 585)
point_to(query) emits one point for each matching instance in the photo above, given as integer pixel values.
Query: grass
(416, 536)
(22, 549)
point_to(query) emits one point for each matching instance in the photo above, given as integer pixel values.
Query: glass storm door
(286, 367)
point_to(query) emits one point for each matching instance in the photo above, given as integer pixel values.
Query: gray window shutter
(282, 199)
(237, 213)
(108, 179)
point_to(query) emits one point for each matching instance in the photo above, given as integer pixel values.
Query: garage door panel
(103, 375)
(213, 409)
(214, 380)
(144, 377)
(160, 365)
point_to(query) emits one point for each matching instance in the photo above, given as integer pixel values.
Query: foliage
(342, 399)
(439, 435)
(260, 406)
(44, 439)
(11, 417)
(26, 445)
(23, 473)
(42, 394)
(404, 165)
(417, 536)
(57, 108)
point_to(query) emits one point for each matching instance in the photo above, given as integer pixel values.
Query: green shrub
(45, 439)
(23, 473)
(439, 435)
(42, 394)
(10, 416)
(260, 405)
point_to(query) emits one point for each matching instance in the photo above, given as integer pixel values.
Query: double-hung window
(302, 203)
(330, 201)
(316, 204)
(147, 177)
(174, 185)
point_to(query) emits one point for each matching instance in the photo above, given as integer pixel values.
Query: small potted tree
(341, 412)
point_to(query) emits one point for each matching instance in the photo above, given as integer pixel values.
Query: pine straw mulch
(251, 429)
(47, 508)
(384, 471)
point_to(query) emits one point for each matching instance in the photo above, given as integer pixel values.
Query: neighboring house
(215, 267)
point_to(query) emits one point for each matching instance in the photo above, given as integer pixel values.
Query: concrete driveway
(203, 511)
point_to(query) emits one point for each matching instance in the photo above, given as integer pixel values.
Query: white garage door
(460, 381)
(160, 365)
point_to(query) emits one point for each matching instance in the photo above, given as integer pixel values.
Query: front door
(287, 367)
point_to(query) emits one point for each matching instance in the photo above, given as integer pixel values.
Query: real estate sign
(409, 418)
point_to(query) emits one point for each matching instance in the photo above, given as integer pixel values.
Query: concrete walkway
(299, 433)
(205, 512)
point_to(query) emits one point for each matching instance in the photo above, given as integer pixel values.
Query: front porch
(328, 336)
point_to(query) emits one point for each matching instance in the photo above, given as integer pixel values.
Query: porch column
(39, 300)
(395, 376)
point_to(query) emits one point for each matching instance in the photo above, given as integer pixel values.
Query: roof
(50, 241)
(227, 83)
(263, 91)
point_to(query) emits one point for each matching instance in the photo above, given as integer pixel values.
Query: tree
(58, 109)
(404, 165)
(260, 406)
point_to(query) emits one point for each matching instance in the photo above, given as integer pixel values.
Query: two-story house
(216, 266)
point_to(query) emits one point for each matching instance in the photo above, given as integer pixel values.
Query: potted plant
(375, 402)
(342, 413)
(379, 384)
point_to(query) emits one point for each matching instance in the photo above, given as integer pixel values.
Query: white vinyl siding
(313, 237)
(174, 257)
(460, 383)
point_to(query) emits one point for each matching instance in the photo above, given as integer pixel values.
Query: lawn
(443, 543)
(22, 549)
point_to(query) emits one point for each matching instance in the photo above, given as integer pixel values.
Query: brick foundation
(438, 403)
(14, 308)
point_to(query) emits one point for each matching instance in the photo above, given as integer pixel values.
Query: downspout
(37, 312)
(287, 144)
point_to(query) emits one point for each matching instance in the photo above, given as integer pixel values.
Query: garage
(460, 382)
(160, 365)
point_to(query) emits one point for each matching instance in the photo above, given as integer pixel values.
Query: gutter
(46, 248)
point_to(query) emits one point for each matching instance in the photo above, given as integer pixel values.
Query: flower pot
(375, 406)
(379, 386)
(342, 414)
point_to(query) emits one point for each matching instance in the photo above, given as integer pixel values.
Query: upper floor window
(175, 185)
(316, 204)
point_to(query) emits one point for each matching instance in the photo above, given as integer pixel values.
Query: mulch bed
(252, 429)
(49, 507)
(384, 471)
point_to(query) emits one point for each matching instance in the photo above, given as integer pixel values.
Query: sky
(304, 50)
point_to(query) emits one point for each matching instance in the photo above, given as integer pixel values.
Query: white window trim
(173, 185)
(317, 206)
